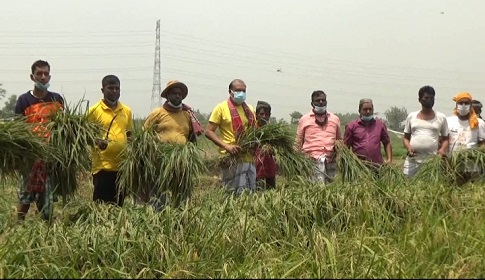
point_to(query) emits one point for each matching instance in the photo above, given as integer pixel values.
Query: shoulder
(412, 115)
(56, 96)
(333, 118)
(126, 108)
(95, 108)
(440, 116)
(352, 123)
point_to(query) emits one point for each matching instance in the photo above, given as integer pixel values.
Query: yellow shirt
(109, 159)
(172, 127)
(221, 115)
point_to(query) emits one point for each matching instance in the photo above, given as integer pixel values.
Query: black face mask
(429, 103)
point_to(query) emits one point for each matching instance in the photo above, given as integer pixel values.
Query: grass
(364, 229)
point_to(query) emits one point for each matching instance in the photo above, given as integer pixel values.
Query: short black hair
(40, 63)
(426, 89)
(318, 92)
(109, 80)
(476, 103)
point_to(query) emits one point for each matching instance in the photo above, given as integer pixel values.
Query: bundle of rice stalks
(391, 175)
(351, 168)
(19, 146)
(72, 135)
(278, 139)
(435, 170)
(152, 167)
(468, 159)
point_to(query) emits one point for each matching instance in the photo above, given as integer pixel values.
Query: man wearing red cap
(174, 122)
(467, 131)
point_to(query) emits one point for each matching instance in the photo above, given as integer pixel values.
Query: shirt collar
(105, 107)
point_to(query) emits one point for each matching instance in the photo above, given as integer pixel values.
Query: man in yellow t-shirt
(232, 117)
(116, 122)
(174, 122)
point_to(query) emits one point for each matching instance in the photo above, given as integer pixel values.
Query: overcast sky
(351, 49)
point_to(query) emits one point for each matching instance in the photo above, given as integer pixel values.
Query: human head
(237, 91)
(477, 106)
(319, 102)
(40, 74)
(111, 88)
(366, 109)
(463, 102)
(175, 92)
(426, 96)
(263, 112)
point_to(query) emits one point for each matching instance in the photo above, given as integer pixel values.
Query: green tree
(295, 117)
(346, 118)
(395, 118)
(3, 92)
(8, 109)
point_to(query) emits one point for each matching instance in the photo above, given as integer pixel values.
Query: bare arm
(388, 149)
(210, 133)
(406, 142)
(445, 143)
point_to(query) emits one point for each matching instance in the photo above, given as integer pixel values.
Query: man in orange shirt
(36, 105)
(316, 136)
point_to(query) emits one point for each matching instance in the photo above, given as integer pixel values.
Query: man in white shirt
(467, 131)
(423, 132)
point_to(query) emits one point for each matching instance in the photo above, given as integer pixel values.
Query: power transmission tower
(157, 88)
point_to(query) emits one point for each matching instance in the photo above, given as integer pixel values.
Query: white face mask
(463, 110)
(319, 110)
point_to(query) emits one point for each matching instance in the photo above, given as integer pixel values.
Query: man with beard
(425, 133)
(316, 136)
(116, 122)
(174, 122)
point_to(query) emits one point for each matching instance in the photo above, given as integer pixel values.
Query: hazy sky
(385, 50)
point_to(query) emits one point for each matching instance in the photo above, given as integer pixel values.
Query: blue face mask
(40, 86)
(239, 97)
(367, 118)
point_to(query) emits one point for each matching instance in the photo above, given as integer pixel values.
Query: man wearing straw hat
(316, 136)
(36, 105)
(174, 122)
(233, 116)
(116, 120)
(365, 135)
(467, 131)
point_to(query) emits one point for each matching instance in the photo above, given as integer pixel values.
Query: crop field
(361, 229)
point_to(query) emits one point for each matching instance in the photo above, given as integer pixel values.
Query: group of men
(426, 132)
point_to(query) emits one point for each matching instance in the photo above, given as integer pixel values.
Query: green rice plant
(72, 135)
(435, 170)
(391, 175)
(467, 161)
(19, 146)
(351, 168)
(278, 139)
(152, 167)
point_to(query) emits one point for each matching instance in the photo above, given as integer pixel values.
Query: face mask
(41, 86)
(112, 103)
(319, 110)
(463, 110)
(239, 97)
(367, 118)
(427, 103)
(175, 106)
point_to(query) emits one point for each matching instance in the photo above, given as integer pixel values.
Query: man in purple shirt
(365, 134)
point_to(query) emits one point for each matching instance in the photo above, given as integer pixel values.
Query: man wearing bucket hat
(233, 116)
(174, 122)
(467, 131)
